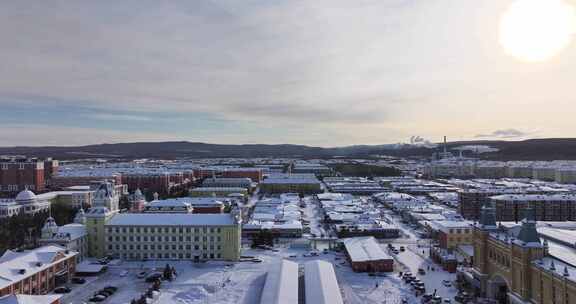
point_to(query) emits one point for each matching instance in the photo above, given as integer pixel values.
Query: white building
(72, 236)
(26, 203)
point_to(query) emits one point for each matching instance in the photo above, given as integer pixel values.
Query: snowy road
(432, 279)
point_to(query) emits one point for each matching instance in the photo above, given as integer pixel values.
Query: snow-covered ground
(237, 283)
(313, 214)
(242, 282)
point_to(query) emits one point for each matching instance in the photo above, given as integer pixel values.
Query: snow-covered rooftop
(171, 219)
(15, 266)
(321, 284)
(281, 285)
(362, 249)
(29, 299)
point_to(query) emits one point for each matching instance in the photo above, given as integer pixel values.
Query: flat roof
(172, 219)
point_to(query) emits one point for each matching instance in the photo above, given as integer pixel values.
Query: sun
(537, 30)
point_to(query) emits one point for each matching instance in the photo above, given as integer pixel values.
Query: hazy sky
(319, 72)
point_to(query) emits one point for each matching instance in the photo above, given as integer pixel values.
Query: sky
(315, 72)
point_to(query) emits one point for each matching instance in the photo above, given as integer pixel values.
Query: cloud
(121, 117)
(505, 133)
(329, 71)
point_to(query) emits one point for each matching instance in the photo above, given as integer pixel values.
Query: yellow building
(451, 234)
(137, 236)
(518, 269)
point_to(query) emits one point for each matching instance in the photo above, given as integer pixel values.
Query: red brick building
(366, 255)
(36, 271)
(50, 169)
(18, 174)
(255, 174)
(61, 182)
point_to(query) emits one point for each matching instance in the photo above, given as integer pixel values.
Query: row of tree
(23, 231)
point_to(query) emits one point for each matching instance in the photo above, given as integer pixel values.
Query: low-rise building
(217, 191)
(228, 182)
(366, 255)
(451, 234)
(73, 236)
(286, 184)
(26, 202)
(37, 271)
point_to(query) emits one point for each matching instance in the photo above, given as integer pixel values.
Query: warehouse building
(366, 255)
(321, 285)
(281, 285)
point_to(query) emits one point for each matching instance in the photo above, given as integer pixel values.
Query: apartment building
(18, 174)
(547, 207)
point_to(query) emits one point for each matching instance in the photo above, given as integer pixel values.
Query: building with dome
(72, 236)
(25, 202)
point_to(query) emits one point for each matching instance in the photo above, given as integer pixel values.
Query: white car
(447, 283)
(124, 273)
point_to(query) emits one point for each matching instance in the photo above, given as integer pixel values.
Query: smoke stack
(445, 148)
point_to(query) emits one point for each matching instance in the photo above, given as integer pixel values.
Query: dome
(25, 196)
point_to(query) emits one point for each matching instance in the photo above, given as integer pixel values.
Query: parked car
(62, 289)
(153, 277)
(111, 288)
(421, 271)
(447, 283)
(77, 280)
(402, 248)
(142, 274)
(97, 298)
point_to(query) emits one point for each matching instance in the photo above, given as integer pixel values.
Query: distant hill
(533, 149)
